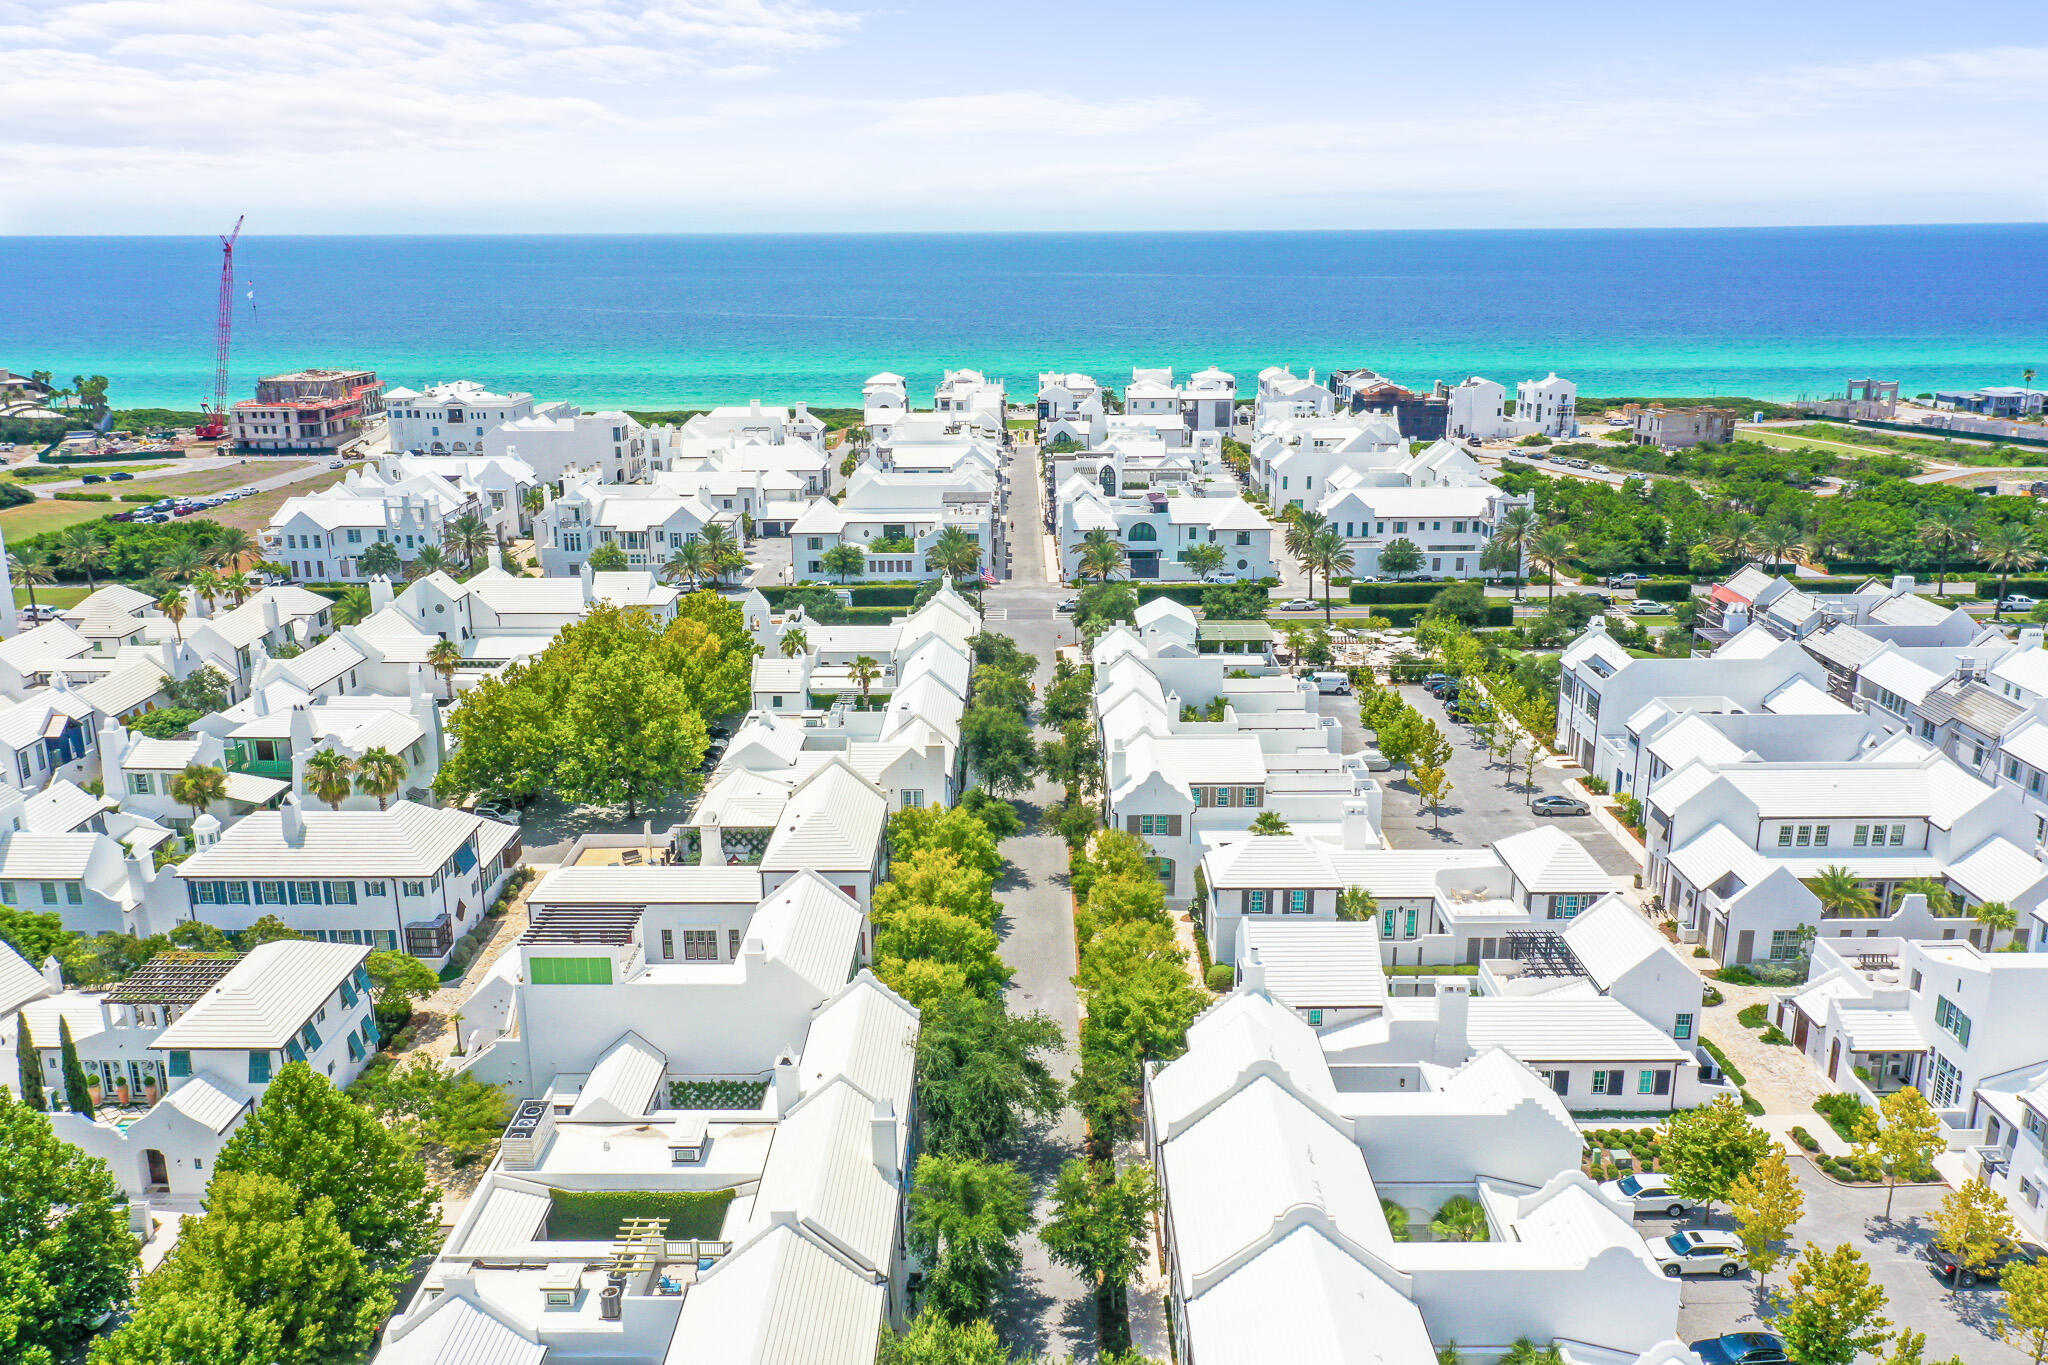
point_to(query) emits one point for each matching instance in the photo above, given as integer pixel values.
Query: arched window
(1143, 531)
(1109, 479)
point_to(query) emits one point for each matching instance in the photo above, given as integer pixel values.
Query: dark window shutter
(1663, 1083)
(1132, 823)
(1616, 1080)
(1173, 826)
(1561, 1082)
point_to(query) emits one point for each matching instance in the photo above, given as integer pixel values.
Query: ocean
(677, 321)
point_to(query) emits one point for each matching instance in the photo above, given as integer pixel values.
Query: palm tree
(1461, 1219)
(352, 606)
(1946, 530)
(1780, 541)
(79, 548)
(1839, 892)
(330, 776)
(430, 559)
(444, 657)
(468, 537)
(2009, 548)
(237, 585)
(534, 500)
(795, 642)
(1996, 916)
(1737, 538)
(1102, 555)
(954, 553)
(864, 671)
(180, 562)
(228, 546)
(688, 562)
(206, 584)
(29, 572)
(1518, 527)
(1302, 528)
(172, 605)
(719, 547)
(1329, 553)
(1268, 822)
(198, 787)
(379, 773)
(1551, 548)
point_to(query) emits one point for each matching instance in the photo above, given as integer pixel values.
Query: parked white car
(1698, 1253)
(1645, 1192)
(2016, 602)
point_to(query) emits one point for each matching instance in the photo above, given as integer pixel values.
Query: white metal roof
(866, 1034)
(455, 1330)
(621, 1085)
(407, 840)
(1611, 938)
(1883, 1031)
(1547, 860)
(612, 885)
(1270, 860)
(782, 1299)
(1551, 1030)
(266, 999)
(1312, 963)
(1997, 870)
(821, 1167)
(1304, 1298)
(210, 1102)
(20, 982)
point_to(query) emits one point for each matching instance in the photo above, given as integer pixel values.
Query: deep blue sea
(680, 320)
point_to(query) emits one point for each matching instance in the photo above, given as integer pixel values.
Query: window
(373, 888)
(270, 893)
(1600, 1082)
(1162, 868)
(1784, 836)
(1155, 824)
(140, 785)
(1898, 835)
(1681, 1025)
(1646, 1082)
(1948, 1083)
(1297, 903)
(1251, 797)
(1564, 907)
(668, 944)
(913, 798)
(259, 1068)
(1315, 1018)
(2030, 1192)
(1860, 837)
(2036, 1127)
(1951, 1019)
(700, 945)
(49, 893)
(1223, 796)
(1787, 945)
(1820, 836)
(1255, 902)
(341, 893)
(732, 944)
(74, 893)
(1805, 836)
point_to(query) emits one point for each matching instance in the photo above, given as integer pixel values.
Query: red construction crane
(216, 424)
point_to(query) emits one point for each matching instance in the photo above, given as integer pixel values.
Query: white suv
(1645, 1192)
(1698, 1253)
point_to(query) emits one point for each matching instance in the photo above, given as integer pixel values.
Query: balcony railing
(260, 767)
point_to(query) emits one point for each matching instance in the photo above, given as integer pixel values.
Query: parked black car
(1742, 1348)
(1945, 1265)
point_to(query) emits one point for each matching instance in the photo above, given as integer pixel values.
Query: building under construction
(307, 411)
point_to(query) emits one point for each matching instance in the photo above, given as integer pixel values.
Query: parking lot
(1487, 801)
(1957, 1323)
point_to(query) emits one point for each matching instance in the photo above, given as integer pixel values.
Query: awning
(54, 727)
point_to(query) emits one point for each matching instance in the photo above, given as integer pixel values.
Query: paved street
(1959, 1323)
(1487, 801)
(1049, 1310)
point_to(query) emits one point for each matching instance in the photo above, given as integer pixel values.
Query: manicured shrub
(1222, 977)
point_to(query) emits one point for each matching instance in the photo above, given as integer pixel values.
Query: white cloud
(680, 114)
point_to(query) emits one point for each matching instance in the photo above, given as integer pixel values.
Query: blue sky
(808, 115)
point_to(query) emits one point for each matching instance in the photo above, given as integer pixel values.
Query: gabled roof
(1546, 860)
(1611, 939)
(1317, 964)
(20, 982)
(455, 1329)
(782, 1298)
(407, 840)
(865, 1035)
(621, 1087)
(268, 996)
(212, 1103)
(833, 821)
(1269, 860)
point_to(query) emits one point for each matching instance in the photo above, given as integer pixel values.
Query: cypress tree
(30, 1063)
(74, 1074)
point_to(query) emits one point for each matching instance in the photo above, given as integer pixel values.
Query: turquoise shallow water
(658, 321)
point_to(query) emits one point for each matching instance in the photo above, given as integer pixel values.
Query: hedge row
(1187, 594)
(864, 594)
(1408, 613)
(1394, 593)
(1660, 590)
(1987, 588)
(73, 495)
(128, 457)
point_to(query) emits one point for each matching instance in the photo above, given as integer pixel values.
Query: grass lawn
(220, 480)
(33, 473)
(18, 523)
(1785, 442)
(595, 1215)
(253, 514)
(53, 594)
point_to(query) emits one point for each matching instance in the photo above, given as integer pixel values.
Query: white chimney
(1902, 584)
(1453, 1015)
(882, 1126)
(53, 972)
(1251, 972)
(787, 1088)
(1358, 831)
(292, 820)
(713, 848)
(2030, 638)
(380, 592)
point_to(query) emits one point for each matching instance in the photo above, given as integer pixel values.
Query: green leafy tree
(324, 1145)
(352, 607)
(1203, 558)
(267, 929)
(1766, 1201)
(77, 1090)
(432, 1105)
(954, 553)
(933, 1339)
(983, 1075)
(380, 558)
(1973, 1226)
(2025, 1324)
(957, 830)
(935, 876)
(998, 816)
(1433, 784)
(66, 1255)
(1830, 1313)
(966, 952)
(1900, 1141)
(1461, 1219)
(296, 1289)
(28, 1064)
(399, 980)
(1099, 1229)
(999, 748)
(608, 558)
(628, 734)
(1706, 1149)
(203, 690)
(1400, 557)
(845, 561)
(966, 1215)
